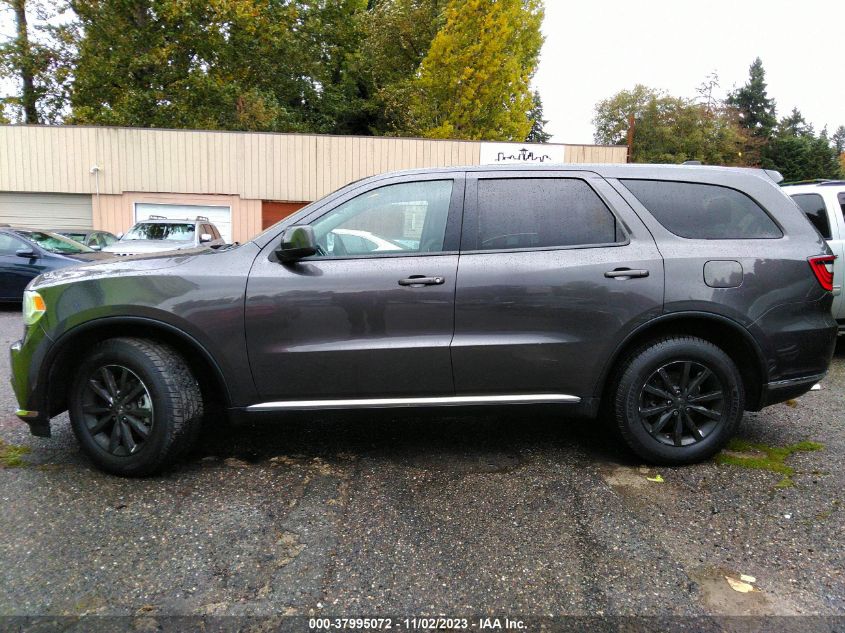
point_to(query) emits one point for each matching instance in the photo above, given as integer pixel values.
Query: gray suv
(666, 299)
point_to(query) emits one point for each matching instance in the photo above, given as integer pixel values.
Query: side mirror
(119, 236)
(297, 242)
(205, 237)
(95, 247)
(26, 252)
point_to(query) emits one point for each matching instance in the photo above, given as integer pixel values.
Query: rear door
(555, 271)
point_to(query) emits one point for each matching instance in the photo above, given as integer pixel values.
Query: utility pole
(631, 138)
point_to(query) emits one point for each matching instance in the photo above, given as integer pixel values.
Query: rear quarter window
(702, 211)
(812, 204)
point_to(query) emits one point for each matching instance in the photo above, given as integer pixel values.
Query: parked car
(824, 203)
(26, 253)
(668, 298)
(159, 234)
(96, 240)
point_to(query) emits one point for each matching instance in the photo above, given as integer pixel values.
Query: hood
(107, 265)
(86, 257)
(136, 247)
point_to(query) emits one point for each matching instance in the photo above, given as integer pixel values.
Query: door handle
(625, 273)
(421, 280)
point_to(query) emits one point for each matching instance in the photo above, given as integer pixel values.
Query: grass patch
(11, 456)
(763, 457)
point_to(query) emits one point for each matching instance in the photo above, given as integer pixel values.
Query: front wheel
(678, 400)
(134, 406)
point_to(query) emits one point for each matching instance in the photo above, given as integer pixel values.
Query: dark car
(26, 253)
(91, 238)
(668, 299)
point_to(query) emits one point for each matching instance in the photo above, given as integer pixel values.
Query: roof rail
(156, 217)
(202, 218)
(814, 181)
(774, 175)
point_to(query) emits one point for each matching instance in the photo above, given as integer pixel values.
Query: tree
(538, 133)
(670, 129)
(473, 82)
(798, 154)
(838, 139)
(36, 60)
(234, 64)
(756, 109)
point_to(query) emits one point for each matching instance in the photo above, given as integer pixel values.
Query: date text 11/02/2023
(417, 623)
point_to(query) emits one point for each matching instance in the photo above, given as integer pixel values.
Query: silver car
(158, 234)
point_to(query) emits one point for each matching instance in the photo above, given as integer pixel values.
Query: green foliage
(756, 109)
(474, 81)
(798, 154)
(538, 133)
(38, 59)
(670, 129)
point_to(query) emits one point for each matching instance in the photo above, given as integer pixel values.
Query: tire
(649, 412)
(161, 415)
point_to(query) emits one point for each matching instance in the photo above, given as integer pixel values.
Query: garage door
(46, 210)
(220, 216)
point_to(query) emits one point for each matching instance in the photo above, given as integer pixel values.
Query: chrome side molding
(444, 401)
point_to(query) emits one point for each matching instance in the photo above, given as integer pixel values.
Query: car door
(16, 271)
(555, 270)
(353, 323)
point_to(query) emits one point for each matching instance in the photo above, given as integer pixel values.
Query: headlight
(33, 307)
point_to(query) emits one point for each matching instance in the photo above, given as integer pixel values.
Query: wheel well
(61, 374)
(729, 338)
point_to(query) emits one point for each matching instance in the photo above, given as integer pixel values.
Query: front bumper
(26, 357)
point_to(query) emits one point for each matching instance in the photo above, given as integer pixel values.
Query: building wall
(118, 166)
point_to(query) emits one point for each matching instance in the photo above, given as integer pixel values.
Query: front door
(372, 314)
(15, 271)
(554, 273)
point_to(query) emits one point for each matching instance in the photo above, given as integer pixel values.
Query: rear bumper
(783, 390)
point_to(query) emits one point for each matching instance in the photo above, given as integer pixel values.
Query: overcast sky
(595, 48)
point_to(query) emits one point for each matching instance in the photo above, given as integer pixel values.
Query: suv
(668, 298)
(824, 203)
(158, 234)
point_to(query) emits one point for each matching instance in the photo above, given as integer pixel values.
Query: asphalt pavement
(516, 512)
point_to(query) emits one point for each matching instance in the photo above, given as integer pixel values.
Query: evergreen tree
(474, 80)
(538, 132)
(838, 139)
(797, 153)
(756, 109)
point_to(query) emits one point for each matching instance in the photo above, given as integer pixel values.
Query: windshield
(78, 237)
(175, 232)
(54, 243)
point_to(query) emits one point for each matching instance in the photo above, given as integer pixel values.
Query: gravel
(506, 512)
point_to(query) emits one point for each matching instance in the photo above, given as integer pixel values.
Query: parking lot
(515, 512)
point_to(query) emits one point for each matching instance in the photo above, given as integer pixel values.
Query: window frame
(470, 234)
(625, 192)
(451, 240)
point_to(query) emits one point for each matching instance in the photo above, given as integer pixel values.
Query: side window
(9, 245)
(703, 212)
(541, 212)
(812, 204)
(107, 239)
(214, 232)
(407, 217)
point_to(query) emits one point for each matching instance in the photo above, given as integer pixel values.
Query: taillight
(823, 268)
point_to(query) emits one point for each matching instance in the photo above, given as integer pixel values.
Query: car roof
(816, 186)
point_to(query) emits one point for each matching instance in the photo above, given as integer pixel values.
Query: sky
(596, 48)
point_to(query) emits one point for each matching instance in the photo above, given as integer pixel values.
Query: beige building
(107, 178)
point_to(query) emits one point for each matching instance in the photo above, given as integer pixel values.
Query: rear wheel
(134, 406)
(678, 400)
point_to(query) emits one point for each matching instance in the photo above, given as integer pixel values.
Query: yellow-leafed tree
(474, 82)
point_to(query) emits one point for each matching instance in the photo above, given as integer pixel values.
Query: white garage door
(46, 210)
(221, 217)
